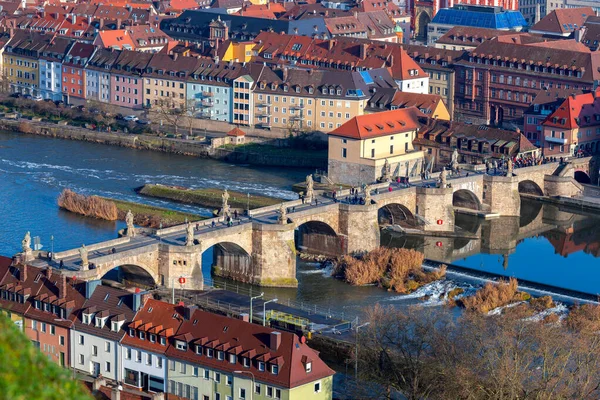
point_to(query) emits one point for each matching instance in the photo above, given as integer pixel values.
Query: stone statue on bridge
(387, 172)
(283, 219)
(189, 234)
(309, 188)
(443, 178)
(367, 194)
(83, 253)
(129, 222)
(26, 243)
(509, 167)
(225, 210)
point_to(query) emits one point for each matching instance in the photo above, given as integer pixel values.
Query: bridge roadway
(176, 236)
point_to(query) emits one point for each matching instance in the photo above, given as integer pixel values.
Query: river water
(546, 245)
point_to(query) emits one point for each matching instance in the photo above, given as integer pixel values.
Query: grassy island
(210, 198)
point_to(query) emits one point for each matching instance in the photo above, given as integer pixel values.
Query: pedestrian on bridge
(61, 264)
(235, 214)
(212, 224)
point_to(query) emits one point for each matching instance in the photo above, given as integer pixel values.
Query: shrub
(551, 318)
(584, 318)
(490, 296)
(455, 292)
(90, 206)
(541, 303)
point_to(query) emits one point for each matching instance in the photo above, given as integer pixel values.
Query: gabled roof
(470, 36)
(79, 54)
(244, 339)
(237, 132)
(576, 111)
(118, 39)
(427, 103)
(380, 124)
(563, 21)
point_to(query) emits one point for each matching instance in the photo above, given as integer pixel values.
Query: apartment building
(20, 60)
(209, 358)
(497, 81)
(97, 75)
(98, 329)
(210, 89)
(73, 69)
(359, 149)
(50, 68)
(126, 85)
(165, 81)
(573, 128)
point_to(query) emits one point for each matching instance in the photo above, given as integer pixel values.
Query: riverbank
(187, 147)
(209, 198)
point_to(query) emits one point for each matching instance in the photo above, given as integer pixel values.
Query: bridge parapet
(93, 247)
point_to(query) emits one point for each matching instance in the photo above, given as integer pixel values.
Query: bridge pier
(359, 225)
(180, 261)
(273, 255)
(501, 194)
(435, 206)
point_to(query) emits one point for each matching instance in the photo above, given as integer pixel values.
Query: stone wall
(358, 223)
(561, 186)
(435, 206)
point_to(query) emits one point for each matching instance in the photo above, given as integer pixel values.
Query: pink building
(126, 81)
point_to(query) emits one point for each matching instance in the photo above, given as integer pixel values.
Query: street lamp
(251, 299)
(253, 380)
(265, 311)
(248, 205)
(52, 245)
(356, 350)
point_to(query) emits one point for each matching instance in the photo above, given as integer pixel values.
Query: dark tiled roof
(469, 36)
(103, 57)
(79, 54)
(563, 20)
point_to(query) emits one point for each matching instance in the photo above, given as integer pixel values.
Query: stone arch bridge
(270, 246)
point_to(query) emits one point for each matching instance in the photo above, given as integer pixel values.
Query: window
(220, 355)
(43, 327)
(171, 365)
(61, 340)
(257, 388)
(148, 359)
(269, 391)
(52, 330)
(107, 347)
(232, 358)
(308, 366)
(242, 393)
(392, 149)
(206, 374)
(318, 387)
(107, 367)
(229, 380)
(209, 353)
(139, 356)
(274, 369)
(128, 354)
(261, 365)
(217, 377)
(246, 362)
(163, 341)
(278, 393)
(182, 368)
(180, 345)
(94, 350)
(81, 341)
(81, 359)
(195, 371)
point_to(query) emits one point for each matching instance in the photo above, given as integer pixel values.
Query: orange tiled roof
(236, 132)
(116, 38)
(380, 124)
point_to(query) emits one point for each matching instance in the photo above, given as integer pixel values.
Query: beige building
(301, 100)
(358, 150)
(165, 80)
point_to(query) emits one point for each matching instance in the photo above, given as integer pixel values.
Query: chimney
(269, 5)
(188, 312)
(61, 284)
(330, 44)
(363, 51)
(244, 317)
(74, 18)
(285, 74)
(118, 23)
(48, 272)
(274, 341)
(115, 394)
(101, 25)
(573, 96)
(175, 56)
(23, 273)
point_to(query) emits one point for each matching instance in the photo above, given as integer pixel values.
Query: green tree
(26, 374)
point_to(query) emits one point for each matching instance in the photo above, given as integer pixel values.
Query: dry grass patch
(584, 318)
(90, 206)
(541, 303)
(490, 296)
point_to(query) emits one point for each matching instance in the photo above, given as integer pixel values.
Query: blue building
(474, 16)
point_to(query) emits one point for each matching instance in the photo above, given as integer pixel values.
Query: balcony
(262, 104)
(206, 94)
(556, 140)
(297, 107)
(205, 103)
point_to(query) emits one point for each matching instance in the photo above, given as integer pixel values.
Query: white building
(98, 329)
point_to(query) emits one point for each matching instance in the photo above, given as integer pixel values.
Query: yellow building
(238, 51)
(20, 61)
(165, 81)
(359, 149)
(301, 100)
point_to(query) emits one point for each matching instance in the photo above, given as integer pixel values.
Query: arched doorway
(464, 198)
(227, 260)
(131, 275)
(316, 237)
(396, 214)
(422, 21)
(582, 177)
(530, 187)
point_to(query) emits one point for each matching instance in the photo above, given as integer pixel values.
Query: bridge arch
(396, 214)
(582, 177)
(318, 237)
(227, 259)
(137, 274)
(466, 199)
(530, 187)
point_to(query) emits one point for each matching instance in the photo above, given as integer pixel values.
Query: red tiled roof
(117, 39)
(572, 112)
(240, 337)
(421, 101)
(563, 20)
(380, 124)
(236, 132)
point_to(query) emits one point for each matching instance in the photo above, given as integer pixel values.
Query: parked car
(143, 122)
(37, 97)
(15, 95)
(130, 118)
(28, 96)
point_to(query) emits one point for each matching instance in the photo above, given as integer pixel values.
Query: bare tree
(179, 114)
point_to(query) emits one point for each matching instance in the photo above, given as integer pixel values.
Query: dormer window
(131, 332)
(142, 335)
(220, 356)
(163, 340)
(199, 350)
(180, 345)
(273, 86)
(339, 92)
(274, 369)
(332, 91)
(262, 85)
(310, 90)
(114, 326)
(209, 353)
(246, 362)
(324, 90)
(86, 317)
(152, 338)
(297, 89)
(261, 366)
(308, 366)
(232, 358)
(285, 88)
